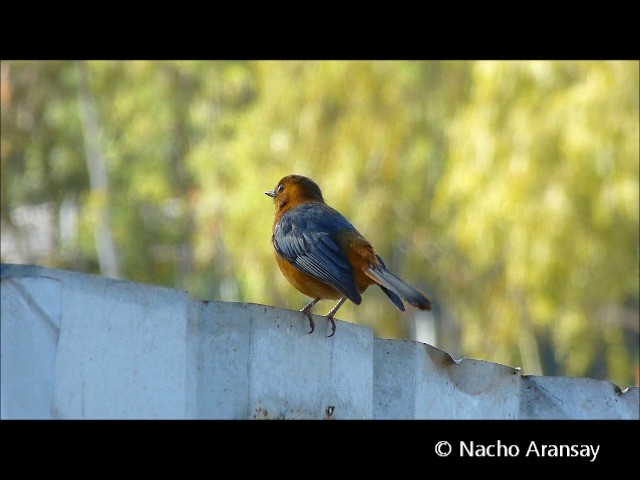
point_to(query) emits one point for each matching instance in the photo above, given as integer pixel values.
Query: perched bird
(322, 255)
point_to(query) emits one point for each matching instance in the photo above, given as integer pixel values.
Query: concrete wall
(84, 346)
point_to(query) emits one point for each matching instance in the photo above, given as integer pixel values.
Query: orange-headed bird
(321, 254)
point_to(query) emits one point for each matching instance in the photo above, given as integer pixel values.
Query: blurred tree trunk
(182, 87)
(107, 255)
(528, 346)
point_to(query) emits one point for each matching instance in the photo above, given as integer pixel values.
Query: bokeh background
(507, 191)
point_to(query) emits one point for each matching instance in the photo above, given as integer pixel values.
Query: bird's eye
(279, 189)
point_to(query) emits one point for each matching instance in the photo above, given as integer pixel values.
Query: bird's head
(294, 190)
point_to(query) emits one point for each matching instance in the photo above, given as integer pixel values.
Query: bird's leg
(307, 311)
(332, 312)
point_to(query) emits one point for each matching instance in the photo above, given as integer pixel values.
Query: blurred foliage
(508, 191)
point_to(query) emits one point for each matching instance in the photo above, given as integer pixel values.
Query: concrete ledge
(84, 346)
(30, 327)
(258, 362)
(415, 380)
(554, 398)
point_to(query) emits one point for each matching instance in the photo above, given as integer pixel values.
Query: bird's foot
(333, 325)
(307, 311)
(331, 313)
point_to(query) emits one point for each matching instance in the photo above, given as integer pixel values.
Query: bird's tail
(393, 284)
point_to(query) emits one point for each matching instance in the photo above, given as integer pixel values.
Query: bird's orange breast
(305, 283)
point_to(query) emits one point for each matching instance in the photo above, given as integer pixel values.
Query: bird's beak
(271, 193)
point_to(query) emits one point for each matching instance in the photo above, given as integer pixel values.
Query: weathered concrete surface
(553, 398)
(105, 348)
(29, 336)
(85, 346)
(417, 381)
(259, 362)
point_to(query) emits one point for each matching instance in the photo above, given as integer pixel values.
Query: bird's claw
(333, 326)
(308, 315)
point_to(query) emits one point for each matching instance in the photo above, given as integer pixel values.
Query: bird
(322, 254)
